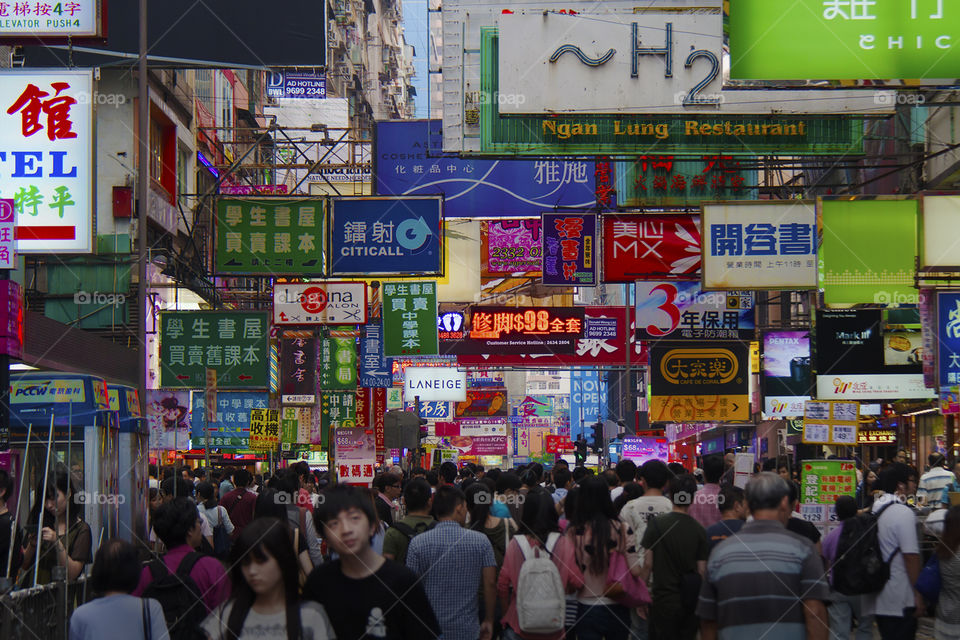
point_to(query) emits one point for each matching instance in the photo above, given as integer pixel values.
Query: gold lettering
(790, 130)
(663, 131)
(803, 128)
(690, 128)
(718, 129)
(590, 130)
(763, 129)
(706, 129)
(549, 126)
(739, 130)
(616, 128)
(776, 130)
(563, 131)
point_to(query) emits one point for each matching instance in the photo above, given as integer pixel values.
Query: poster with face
(168, 416)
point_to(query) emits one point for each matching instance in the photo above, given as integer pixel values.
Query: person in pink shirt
(537, 521)
(706, 502)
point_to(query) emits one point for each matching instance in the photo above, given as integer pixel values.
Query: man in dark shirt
(364, 594)
(240, 502)
(799, 525)
(733, 513)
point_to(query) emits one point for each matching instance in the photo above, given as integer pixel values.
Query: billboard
(651, 246)
(234, 343)
(938, 219)
(511, 248)
(677, 181)
(386, 236)
(272, 236)
(78, 18)
(679, 310)
(296, 85)
(519, 330)
(703, 383)
(787, 380)
(435, 383)
(409, 161)
(298, 370)
(843, 40)
(569, 249)
(232, 427)
(760, 245)
(320, 303)
(948, 338)
(46, 134)
(868, 253)
(483, 403)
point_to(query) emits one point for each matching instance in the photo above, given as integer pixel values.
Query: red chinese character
(604, 191)
(722, 163)
(640, 182)
(368, 471)
(42, 9)
(482, 322)
(736, 182)
(355, 470)
(573, 325)
(71, 7)
(21, 9)
(344, 471)
(660, 182)
(602, 172)
(699, 182)
(718, 181)
(569, 270)
(663, 162)
(56, 108)
(679, 183)
(569, 249)
(569, 227)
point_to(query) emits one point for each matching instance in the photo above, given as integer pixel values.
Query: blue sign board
(284, 84)
(232, 429)
(432, 409)
(948, 337)
(588, 400)
(375, 366)
(409, 161)
(386, 236)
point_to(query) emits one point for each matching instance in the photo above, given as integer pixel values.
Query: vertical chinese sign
(234, 343)
(948, 332)
(410, 318)
(8, 247)
(337, 409)
(270, 236)
(375, 367)
(338, 363)
(569, 249)
(264, 429)
(46, 132)
(298, 370)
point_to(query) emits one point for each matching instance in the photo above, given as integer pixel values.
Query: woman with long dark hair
(265, 596)
(946, 626)
(217, 517)
(64, 537)
(597, 533)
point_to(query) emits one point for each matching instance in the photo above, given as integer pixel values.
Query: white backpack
(541, 602)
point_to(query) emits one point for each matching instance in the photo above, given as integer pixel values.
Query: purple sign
(513, 247)
(569, 249)
(11, 319)
(641, 449)
(8, 258)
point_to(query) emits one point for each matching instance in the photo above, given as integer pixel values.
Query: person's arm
(78, 555)
(702, 568)
(914, 564)
(815, 616)
(489, 602)
(708, 630)
(227, 522)
(647, 566)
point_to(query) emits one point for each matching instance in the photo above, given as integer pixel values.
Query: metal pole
(143, 182)
(16, 514)
(43, 499)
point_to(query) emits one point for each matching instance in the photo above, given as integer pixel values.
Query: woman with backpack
(531, 593)
(218, 518)
(265, 596)
(598, 536)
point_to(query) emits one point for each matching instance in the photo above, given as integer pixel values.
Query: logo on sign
(702, 366)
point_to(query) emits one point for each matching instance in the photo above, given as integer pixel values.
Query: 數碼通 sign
(320, 303)
(435, 383)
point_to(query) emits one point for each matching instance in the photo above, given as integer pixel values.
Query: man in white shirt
(930, 487)
(898, 604)
(626, 472)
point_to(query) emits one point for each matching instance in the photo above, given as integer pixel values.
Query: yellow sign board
(830, 422)
(264, 429)
(718, 408)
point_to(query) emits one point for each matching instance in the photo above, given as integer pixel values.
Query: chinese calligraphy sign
(234, 343)
(270, 236)
(676, 180)
(410, 318)
(298, 370)
(700, 383)
(569, 249)
(511, 247)
(231, 429)
(338, 363)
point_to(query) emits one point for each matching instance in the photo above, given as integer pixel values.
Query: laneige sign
(435, 383)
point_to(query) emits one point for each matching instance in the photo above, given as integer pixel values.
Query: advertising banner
(374, 365)
(264, 429)
(843, 40)
(274, 236)
(480, 445)
(511, 247)
(588, 399)
(320, 303)
(337, 409)
(234, 343)
(232, 427)
(356, 455)
(410, 318)
(386, 236)
(868, 253)
(700, 383)
(168, 418)
(641, 449)
(569, 249)
(677, 181)
(483, 403)
(298, 370)
(679, 310)
(60, 19)
(830, 422)
(651, 246)
(824, 481)
(295, 424)
(410, 161)
(294, 85)
(760, 245)
(938, 219)
(521, 330)
(948, 337)
(435, 383)
(482, 427)
(786, 373)
(558, 444)
(338, 363)
(432, 409)
(46, 134)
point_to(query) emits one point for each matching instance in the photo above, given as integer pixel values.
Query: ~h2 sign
(386, 236)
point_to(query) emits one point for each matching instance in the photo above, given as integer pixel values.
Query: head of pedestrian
(448, 472)
(418, 497)
(682, 490)
(732, 503)
(116, 568)
(936, 459)
(539, 517)
(610, 476)
(713, 468)
(898, 479)
(626, 471)
(450, 505)
(263, 568)
(783, 469)
(347, 520)
(207, 495)
(176, 487)
(729, 460)
(768, 497)
(655, 475)
(177, 523)
(389, 485)
(509, 484)
(562, 478)
(60, 499)
(845, 507)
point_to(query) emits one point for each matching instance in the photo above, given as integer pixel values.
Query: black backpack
(860, 567)
(409, 533)
(179, 596)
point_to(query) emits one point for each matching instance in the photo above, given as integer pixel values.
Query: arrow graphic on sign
(183, 377)
(244, 377)
(413, 234)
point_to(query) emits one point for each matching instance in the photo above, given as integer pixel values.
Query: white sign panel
(939, 215)
(872, 387)
(474, 428)
(634, 62)
(320, 303)
(759, 246)
(435, 383)
(779, 407)
(46, 133)
(57, 18)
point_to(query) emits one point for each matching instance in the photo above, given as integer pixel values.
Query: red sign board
(651, 247)
(11, 319)
(558, 444)
(379, 410)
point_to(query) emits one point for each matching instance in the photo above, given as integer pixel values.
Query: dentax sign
(435, 383)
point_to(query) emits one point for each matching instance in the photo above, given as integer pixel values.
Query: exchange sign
(270, 236)
(234, 343)
(320, 303)
(386, 236)
(700, 384)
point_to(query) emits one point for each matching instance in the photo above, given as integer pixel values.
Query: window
(224, 107)
(163, 152)
(183, 165)
(204, 88)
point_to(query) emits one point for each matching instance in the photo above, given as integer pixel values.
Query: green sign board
(410, 319)
(868, 252)
(234, 343)
(844, 40)
(668, 180)
(338, 409)
(289, 425)
(274, 236)
(338, 363)
(630, 134)
(823, 481)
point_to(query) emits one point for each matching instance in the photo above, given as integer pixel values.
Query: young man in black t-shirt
(365, 595)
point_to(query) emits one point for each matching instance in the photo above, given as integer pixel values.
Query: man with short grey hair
(765, 581)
